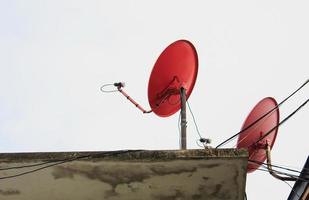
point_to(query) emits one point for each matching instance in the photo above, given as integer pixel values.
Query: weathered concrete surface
(159, 175)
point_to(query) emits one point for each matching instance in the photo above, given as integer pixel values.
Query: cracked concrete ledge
(212, 174)
(125, 155)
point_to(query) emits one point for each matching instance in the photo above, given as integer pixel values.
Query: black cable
(43, 163)
(284, 182)
(282, 122)
(196, 127)
(284, 173)
(26, 166)
(202, 140)
(32, 171)
(291, 188)
(303, 173)
(246, 196)
(266, 170)
(260, 118)
(54, 163)
(277, 166)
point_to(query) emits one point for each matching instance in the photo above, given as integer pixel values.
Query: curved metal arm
(271, 171)
(161, 97)
(134, 102)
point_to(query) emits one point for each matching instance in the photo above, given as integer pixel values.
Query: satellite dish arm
(271, 171)
(119, 88)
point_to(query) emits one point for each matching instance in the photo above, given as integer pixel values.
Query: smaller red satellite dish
(176, 67)
(249, 137)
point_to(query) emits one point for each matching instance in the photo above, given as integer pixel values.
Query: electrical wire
(304, 169)
(301, 175)
(257, 120)
(26, 166)
(284, 182)
(298, 177)
(282, 122)
(43, 163)
(291, 188)
(277, 166)
(294, 176)
(107, 91)
(198, 141)
(253, 129)
(196, 127)
(286, 174)
(202, 140)
(59, 162)
(195, 124)
(32, 171)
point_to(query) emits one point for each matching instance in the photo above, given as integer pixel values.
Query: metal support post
(183, 99)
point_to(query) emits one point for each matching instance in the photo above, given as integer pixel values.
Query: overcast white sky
(55, 55)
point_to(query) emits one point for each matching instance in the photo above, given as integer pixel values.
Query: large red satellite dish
(176, 67)
(248, 138)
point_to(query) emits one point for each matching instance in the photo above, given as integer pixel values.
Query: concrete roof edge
(126, 155)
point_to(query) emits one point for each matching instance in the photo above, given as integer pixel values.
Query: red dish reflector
(176, 67)
(247, 138)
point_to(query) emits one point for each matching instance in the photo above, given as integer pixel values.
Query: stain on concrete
(216, 190)
(197, 196)
(205, 178)
(166, 175)
(162, 170)
(202, 189)
(110, 193)
(134, 189)
(119, 174)
(175, 195)
(9, 192)
(208, 165)
(112, 175)
(235, 179)
(211, 191)
(115, 175)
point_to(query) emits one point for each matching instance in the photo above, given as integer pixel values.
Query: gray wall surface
(160, 175)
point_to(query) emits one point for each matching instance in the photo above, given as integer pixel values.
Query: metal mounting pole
(272, 172)
(183, 100)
